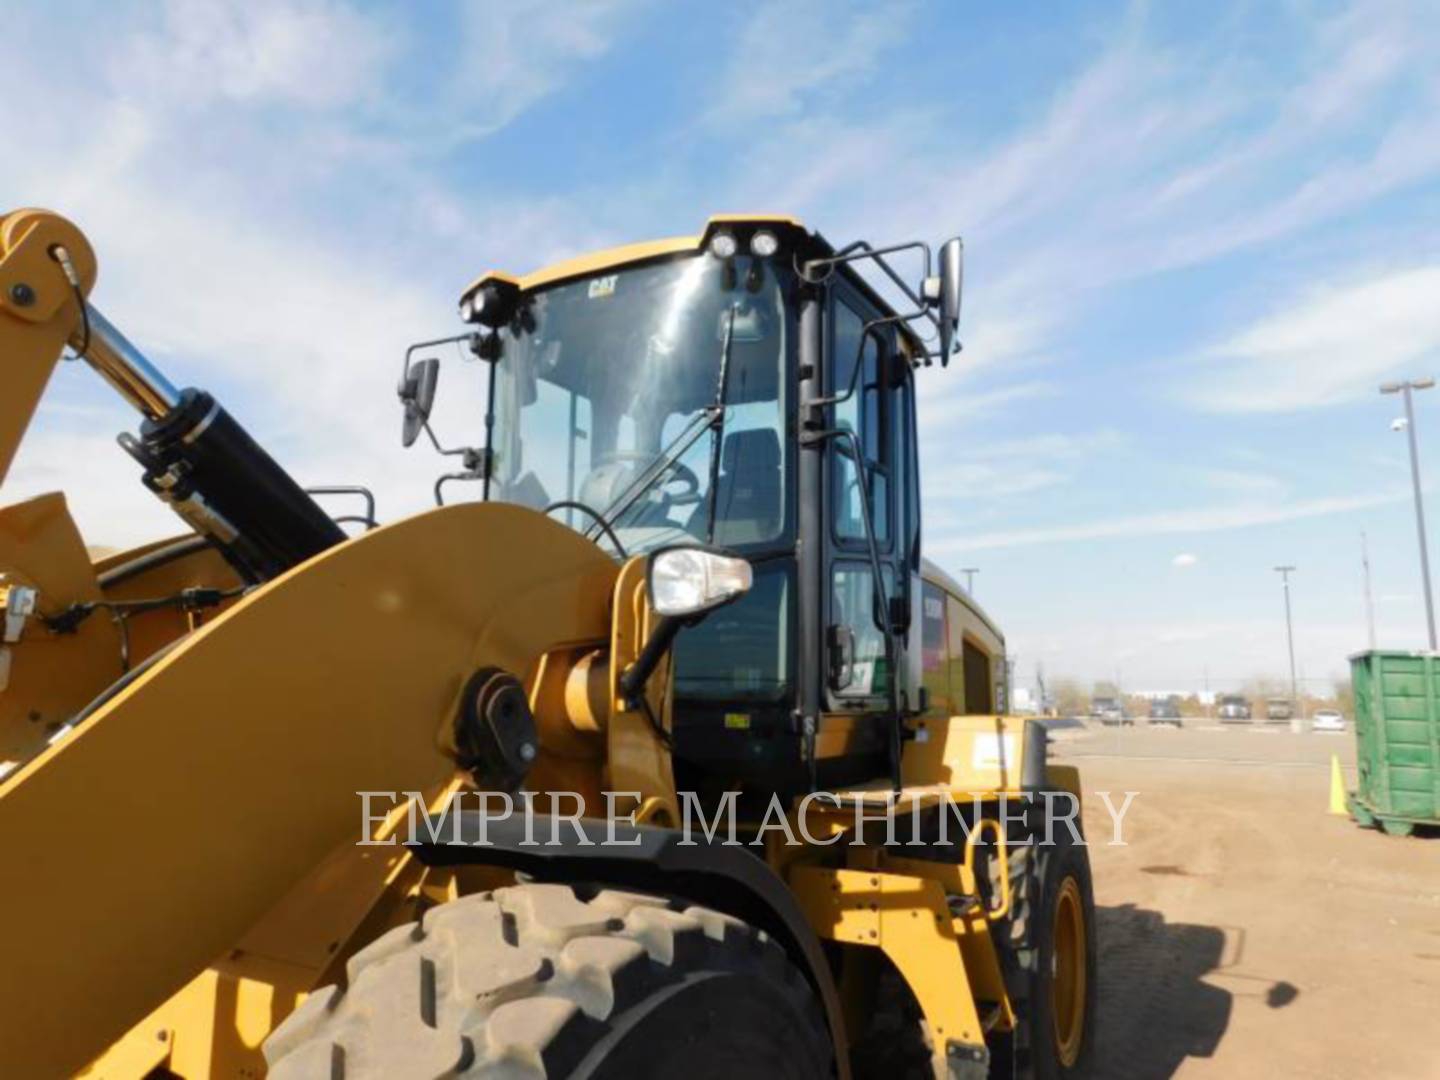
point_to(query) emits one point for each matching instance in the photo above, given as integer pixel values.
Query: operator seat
(748, 505)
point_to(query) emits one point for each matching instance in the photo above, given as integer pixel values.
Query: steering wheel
(674, 471)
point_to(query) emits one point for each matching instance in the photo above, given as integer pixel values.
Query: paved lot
(1244, 932)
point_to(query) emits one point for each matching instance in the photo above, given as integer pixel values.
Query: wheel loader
(656, 748)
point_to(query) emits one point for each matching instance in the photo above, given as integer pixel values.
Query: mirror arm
(632, 682)
(419, 345)
(861, 249)
(459, 451)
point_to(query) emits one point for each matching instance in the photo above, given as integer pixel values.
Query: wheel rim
(1067, 983)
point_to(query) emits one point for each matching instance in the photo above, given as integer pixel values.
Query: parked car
(1108, 711)
(1165, 711)
(1278, 710)
(1327, 720)
(1233, 709)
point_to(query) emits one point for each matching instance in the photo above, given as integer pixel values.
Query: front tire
(1061, 1004)
(1048, 946)
(538, 981)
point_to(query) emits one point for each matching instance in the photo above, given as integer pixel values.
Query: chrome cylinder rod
(124, 366)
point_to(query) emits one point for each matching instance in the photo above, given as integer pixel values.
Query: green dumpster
(1397, 732)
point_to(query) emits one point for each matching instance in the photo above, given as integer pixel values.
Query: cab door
(870, 467)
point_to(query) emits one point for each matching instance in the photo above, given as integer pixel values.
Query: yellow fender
(171, 819)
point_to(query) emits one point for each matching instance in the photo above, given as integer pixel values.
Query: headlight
(764, 244)
(688, 580)
(492, 303)
(723, 245)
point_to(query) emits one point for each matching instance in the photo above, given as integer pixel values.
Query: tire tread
(514, 984)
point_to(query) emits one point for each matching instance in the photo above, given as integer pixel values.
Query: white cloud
(788, 53)
(1371, 43)
(222, 257)
(1241, 481)
(306, 53)
(944, 403)
(516, 54)
(1053, 446)
(1333, 344)
(1184, 560)
(1208, 158)
(976, 479)
(1201, 519)
(1407, 154)
(1000, 468)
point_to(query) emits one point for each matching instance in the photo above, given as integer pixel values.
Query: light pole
(970, 572)
(1285, 572)
(1406, 388)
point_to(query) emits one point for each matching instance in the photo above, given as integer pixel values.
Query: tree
(1191, 706)
(1069, 699)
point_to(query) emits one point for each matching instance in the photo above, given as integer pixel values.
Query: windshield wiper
(711, 418)
(721, 389)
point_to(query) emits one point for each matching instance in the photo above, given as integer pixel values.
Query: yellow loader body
(185, 828)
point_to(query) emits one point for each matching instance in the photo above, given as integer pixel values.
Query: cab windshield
(609, 394)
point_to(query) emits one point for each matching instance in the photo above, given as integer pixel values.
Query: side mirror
(417, 395)
(952, 281)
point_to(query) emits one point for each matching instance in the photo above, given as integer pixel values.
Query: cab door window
(861, 473)
(859, 666)
(863, 411)
(906, 466)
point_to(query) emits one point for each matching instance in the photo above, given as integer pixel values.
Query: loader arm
(139, 848)
(39, 310)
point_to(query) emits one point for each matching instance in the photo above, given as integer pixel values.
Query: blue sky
(1198, 237)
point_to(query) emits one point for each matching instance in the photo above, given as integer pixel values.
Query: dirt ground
(1244, 932)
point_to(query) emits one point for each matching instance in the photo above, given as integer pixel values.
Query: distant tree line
(1072, 697)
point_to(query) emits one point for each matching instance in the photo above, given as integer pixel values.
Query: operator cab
(745, 389)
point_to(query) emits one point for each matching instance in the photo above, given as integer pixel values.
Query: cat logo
(602, 287)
